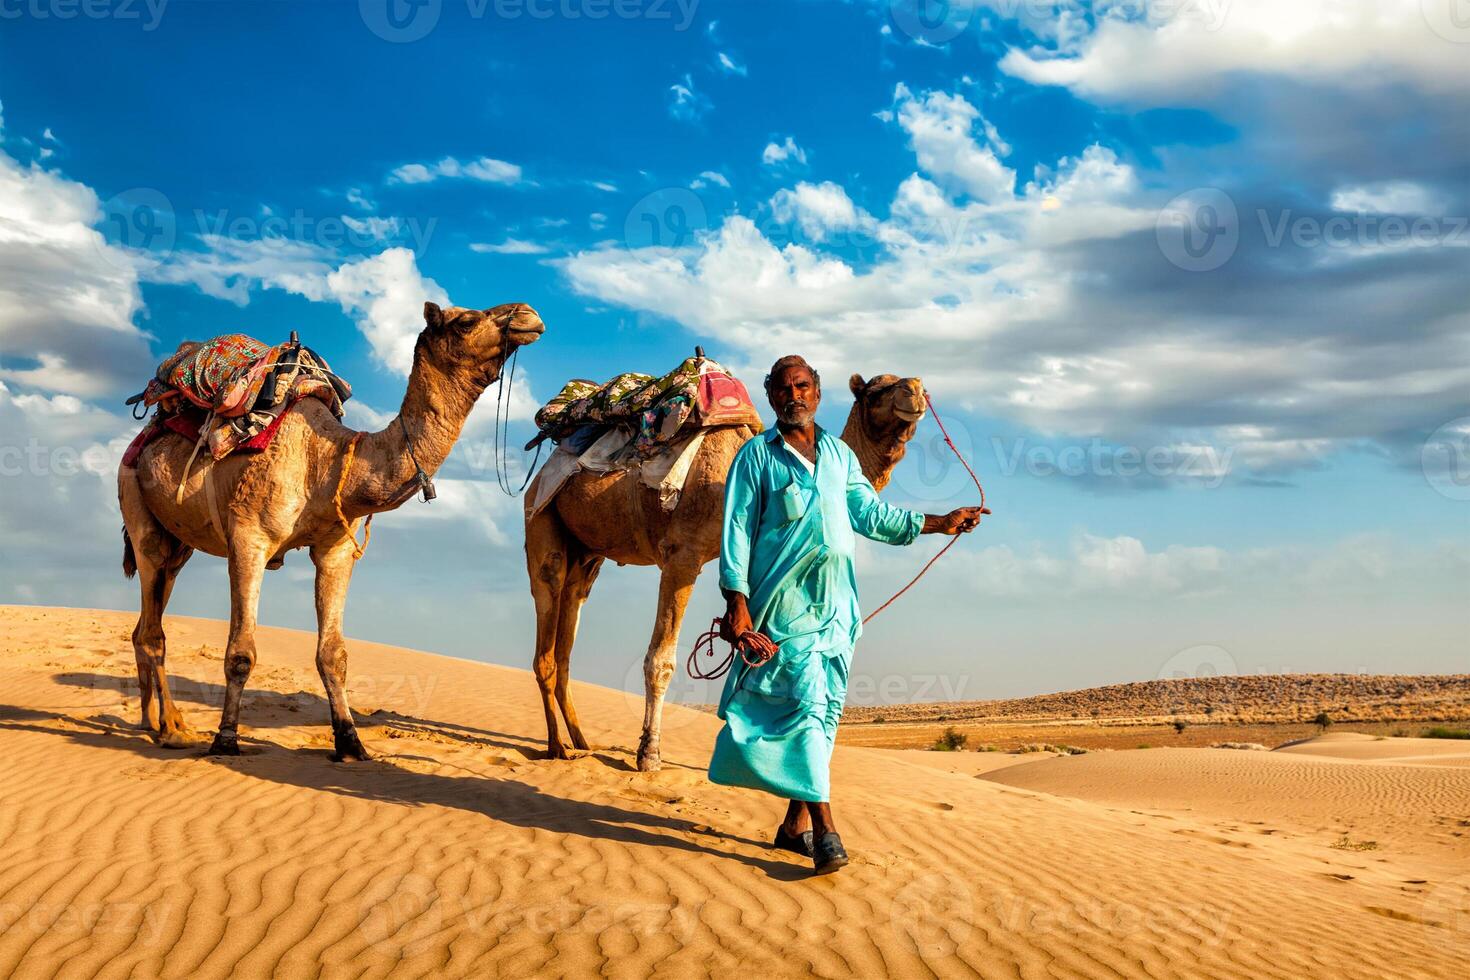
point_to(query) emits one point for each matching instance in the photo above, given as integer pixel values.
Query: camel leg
(580, 576)
(247, 568)
(674, 587)
(334, 565)
(159, 556)
(546, 563)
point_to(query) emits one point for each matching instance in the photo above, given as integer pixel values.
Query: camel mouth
(909, 414)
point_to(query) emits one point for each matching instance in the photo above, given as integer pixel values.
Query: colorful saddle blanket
(698, 393)
(244, 386)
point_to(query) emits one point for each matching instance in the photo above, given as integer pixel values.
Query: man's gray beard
(796, 419)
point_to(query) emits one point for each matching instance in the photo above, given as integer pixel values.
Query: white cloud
(785, 152)
(386, 295)
(1055, 308)
(941, 133)
(819, 209)
(377, 228)
(708, 177)
(1193, 50)
(511, 246)
(730, 66)
(485, 169)
(1398, 197)
(604, 186)
(229, 268)
(67, 298)
(686, 103)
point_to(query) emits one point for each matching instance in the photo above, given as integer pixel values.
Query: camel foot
(348, 747)
(579, 742)
(556, 750)
(648, 756)
(181, 737)
(225, 743)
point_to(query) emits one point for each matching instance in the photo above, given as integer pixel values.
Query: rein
(504, 391)
(706, 642)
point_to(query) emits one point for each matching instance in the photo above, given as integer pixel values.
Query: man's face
(794, 395)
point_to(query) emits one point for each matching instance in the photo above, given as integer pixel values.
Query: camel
(597, 516)
(252, 508)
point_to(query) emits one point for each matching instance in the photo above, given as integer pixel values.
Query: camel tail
(130, 561)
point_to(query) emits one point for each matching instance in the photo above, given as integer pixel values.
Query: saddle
(233, 390)
(657, 411)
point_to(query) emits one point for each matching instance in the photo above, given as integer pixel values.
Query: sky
(1187, 280)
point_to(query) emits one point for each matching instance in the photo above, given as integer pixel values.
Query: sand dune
(460, 851)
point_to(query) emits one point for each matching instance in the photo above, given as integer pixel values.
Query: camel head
(889, 407)
(476, 343)
(885, 413)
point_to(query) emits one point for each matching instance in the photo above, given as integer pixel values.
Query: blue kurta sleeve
(742, 520)
(872, 517)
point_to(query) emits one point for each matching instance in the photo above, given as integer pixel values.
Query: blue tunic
(789, 545)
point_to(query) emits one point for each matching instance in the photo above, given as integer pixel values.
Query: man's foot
(795, 843)
(828, 854)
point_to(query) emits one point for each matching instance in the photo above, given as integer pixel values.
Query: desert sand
(459, 851)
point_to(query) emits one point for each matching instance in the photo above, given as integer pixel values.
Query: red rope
(706, 642)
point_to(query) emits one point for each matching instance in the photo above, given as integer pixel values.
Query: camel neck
(877, 462)
(435, 406)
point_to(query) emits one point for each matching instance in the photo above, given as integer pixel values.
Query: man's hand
(738, 630)
(961, 520)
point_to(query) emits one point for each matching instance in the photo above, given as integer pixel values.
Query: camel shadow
(507, 801)
(262, 708)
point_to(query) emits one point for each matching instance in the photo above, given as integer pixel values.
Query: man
(793, 499)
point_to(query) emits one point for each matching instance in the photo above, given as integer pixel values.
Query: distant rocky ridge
(1261, 698)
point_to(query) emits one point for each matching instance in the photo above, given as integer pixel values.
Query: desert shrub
(1323, 721)
(1348, 844)
(879, 719)
(950, 741)
(1439, 731)
(1245, 746)
(1180, 725)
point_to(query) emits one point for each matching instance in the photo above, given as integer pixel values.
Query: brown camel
(252, 508)
(597, 516)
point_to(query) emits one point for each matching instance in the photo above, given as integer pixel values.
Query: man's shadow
(506, 800)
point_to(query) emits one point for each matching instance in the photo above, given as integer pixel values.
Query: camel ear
(857, 384)
(433, 316)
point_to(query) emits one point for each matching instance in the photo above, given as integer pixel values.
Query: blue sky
(1226, 237)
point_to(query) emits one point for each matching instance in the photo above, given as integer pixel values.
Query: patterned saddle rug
(699, 393)
(234, 390)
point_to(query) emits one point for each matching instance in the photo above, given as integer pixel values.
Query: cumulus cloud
(1194, 50)
(485, 169)
(1057, 306)
(385, 295)
(818, 209)
(941, 133)
(68, 298)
